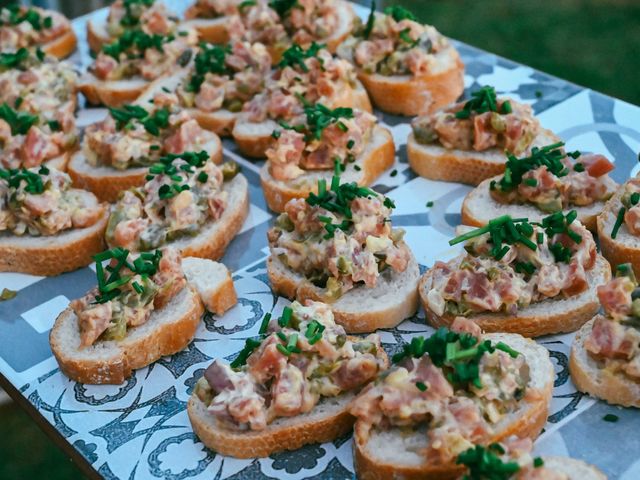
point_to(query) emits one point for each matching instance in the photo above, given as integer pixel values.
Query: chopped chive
(282, 349)
(202, 177)
(284, 320)
(429, 204)
(619, 222)
(635, 198)
(265, 323)
(137, 287)
(394, 172)
(538, 462)
(421, 386)
(350, 144)
(531, 182)
(611, 418)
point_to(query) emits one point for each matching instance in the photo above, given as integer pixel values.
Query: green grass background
(594, 43)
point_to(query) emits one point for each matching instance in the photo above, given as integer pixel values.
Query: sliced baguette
(438, 163)
(97, 35)
(168, 331)
(211, 30)
(377, 157)
(213, 283)
(590, 376)
(253, 138)
(625, 248)
(415, 95)
(361, 309)
(397, 453)
(220, 121)
(63, 46)
(573, 468)
(479, 207)
(555, 315)
(111, 93)
(53, 255)
(328, 420)
(107, 182)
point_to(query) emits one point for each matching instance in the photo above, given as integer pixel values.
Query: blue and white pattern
(140, 429)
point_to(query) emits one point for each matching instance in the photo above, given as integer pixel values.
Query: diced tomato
(596, 165)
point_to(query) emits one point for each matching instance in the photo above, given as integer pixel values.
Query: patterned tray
(141, 429)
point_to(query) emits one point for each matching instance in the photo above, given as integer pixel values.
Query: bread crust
(437, 163)
(111, 93)
(254, 138)
(528, 424)
(399, 94)
(625, 248)
(211, 30)
(479, 207)
(96, 36)
(56, 254)
(284, 434)
(540, 318)
(63, 46)
(589, 375)
(378, 157)
(166, 338)
(379, 313)
(106, 183)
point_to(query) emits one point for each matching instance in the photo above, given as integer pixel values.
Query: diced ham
(210, 97)
(127, 233)
(93, 322)
(37, 148)
(187, 135)
(103, 66)
(464, 325)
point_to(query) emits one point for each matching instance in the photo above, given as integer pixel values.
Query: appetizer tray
(140, 429)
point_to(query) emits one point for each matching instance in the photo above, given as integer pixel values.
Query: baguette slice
(63, 46)
(590, 376)
(396, 453)
(111, 93)
(479, 207)
(97, 35)
(253, 138)
(575, 469)
(555, 315)
(214, 237)
(211, 30)
(167, 331)
(53, 255)
(414, 95)
(361, 309)
(328, 420)
(220, 121)
(438, 163)
(107, 182)
(625, 248)
(378, 156)
(213, 283)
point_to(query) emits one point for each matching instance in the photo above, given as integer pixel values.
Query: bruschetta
(619, 226)
(465, 142)
(337, 246)
(26, 27)
(549, 180)
(518, 276)
(276, 23)
(446, 393)
(150, 16)
(37, 110)
(117, 151)
(605, 355)
(325, 142)
(123, 69)
(302, 77)
(408, 68)
(187, 202)
(144, 307)
(512, 460)
(290, 387)
(47, 227)
(217, 83)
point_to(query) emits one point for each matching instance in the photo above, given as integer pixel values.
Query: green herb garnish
(611, 418)
(135, 39)
(371, 19)
(15, 59)
(250, 345)
(33, 181)
(619, 222)
(283, 7)
(485, 463)
(209, 59)
(20, 122)
(133, 9)
(318, 117)
(152, 122)
(482, 100)
(400, 13)
(295, 55)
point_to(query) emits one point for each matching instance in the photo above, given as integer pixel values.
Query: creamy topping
(340, 238)
(29, 26)
(129, 289)
(147, 15)
(393, 43)
(40, 201)
(479, 124)
(299, 359)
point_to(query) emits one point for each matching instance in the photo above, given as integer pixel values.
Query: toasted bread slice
(361, 309)
(396, 453)
(167, 331)
(63, 46)
(590, 376)
(214, 236)
(211, 30)
(253, 138)
(414, 95)
(625, 248)
(328, 420)
(573, 468)
(479, 207)
(213, 283)
(220, 121)
(111, 93)
(553, 315)
(107, 182)
(378, 156)
(97, 35)
(53, 255)
(438, 163)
